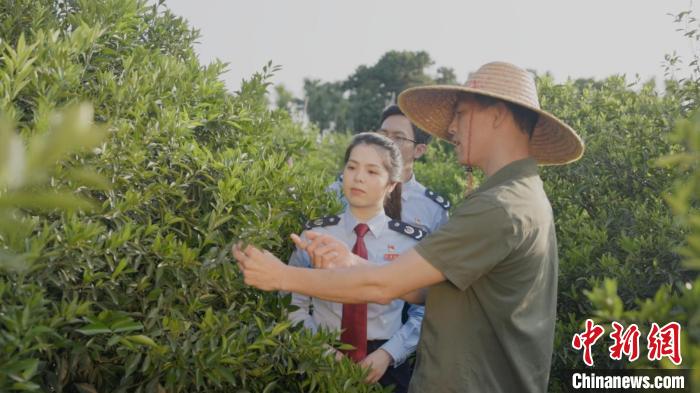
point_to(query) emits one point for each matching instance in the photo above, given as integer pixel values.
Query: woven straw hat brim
(431, 108)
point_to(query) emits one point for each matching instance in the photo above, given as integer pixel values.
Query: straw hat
(431, 108)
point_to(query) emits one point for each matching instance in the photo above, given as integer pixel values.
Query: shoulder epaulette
(407, 229)
(440, 200)
(322, 222)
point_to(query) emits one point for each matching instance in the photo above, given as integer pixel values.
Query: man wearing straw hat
(491, 270)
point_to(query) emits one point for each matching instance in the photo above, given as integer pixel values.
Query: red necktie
(354, 321)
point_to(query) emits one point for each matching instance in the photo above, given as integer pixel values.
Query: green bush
(438, 170)
(140, 294)
(24, 172)
(669, 304)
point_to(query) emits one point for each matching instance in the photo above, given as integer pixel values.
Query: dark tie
(354, 322)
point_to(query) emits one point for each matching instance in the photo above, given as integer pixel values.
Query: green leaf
(126, 325)
(209, 318)
(25, 386)
(270, 386)
(114, 340)
(345, 347)
(93, 328)
(280, 327)
(131, 364)
(25, 368)
(122, 264)
(143, 340)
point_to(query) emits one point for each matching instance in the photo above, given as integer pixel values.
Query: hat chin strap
(469, 169)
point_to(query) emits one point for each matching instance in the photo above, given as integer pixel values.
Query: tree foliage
(326, 105)
(286, 101)
(356, 102)
(140, 293)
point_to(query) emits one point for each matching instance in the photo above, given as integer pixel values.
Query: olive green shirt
(490, 326)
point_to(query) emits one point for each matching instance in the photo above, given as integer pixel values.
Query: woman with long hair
(371, 227)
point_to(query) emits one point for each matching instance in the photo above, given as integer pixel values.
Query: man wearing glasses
(419, 205)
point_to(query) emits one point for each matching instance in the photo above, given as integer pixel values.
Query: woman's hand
(325, 251)
(377, 362)
(260, 269)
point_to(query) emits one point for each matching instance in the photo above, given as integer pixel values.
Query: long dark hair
(392, 163)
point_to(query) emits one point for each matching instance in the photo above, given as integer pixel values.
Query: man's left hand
(260, 268)
(377, 362)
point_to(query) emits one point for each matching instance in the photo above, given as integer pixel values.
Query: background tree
(325, 105)
(285, 100)
(370, 89)
(446, 76)
(355, 103)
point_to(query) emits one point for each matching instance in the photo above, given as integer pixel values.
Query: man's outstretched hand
(260, 268)
(325, 251)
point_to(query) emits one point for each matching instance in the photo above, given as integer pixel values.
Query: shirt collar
(411, 183)
(376, 224)
(516, 169)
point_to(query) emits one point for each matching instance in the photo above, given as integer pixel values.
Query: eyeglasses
(398, 139)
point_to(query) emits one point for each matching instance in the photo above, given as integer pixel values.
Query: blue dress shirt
(383, 321)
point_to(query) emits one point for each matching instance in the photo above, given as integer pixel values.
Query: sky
(329, 39)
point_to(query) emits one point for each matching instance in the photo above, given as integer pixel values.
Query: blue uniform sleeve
(404, 342)
(300, 258)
